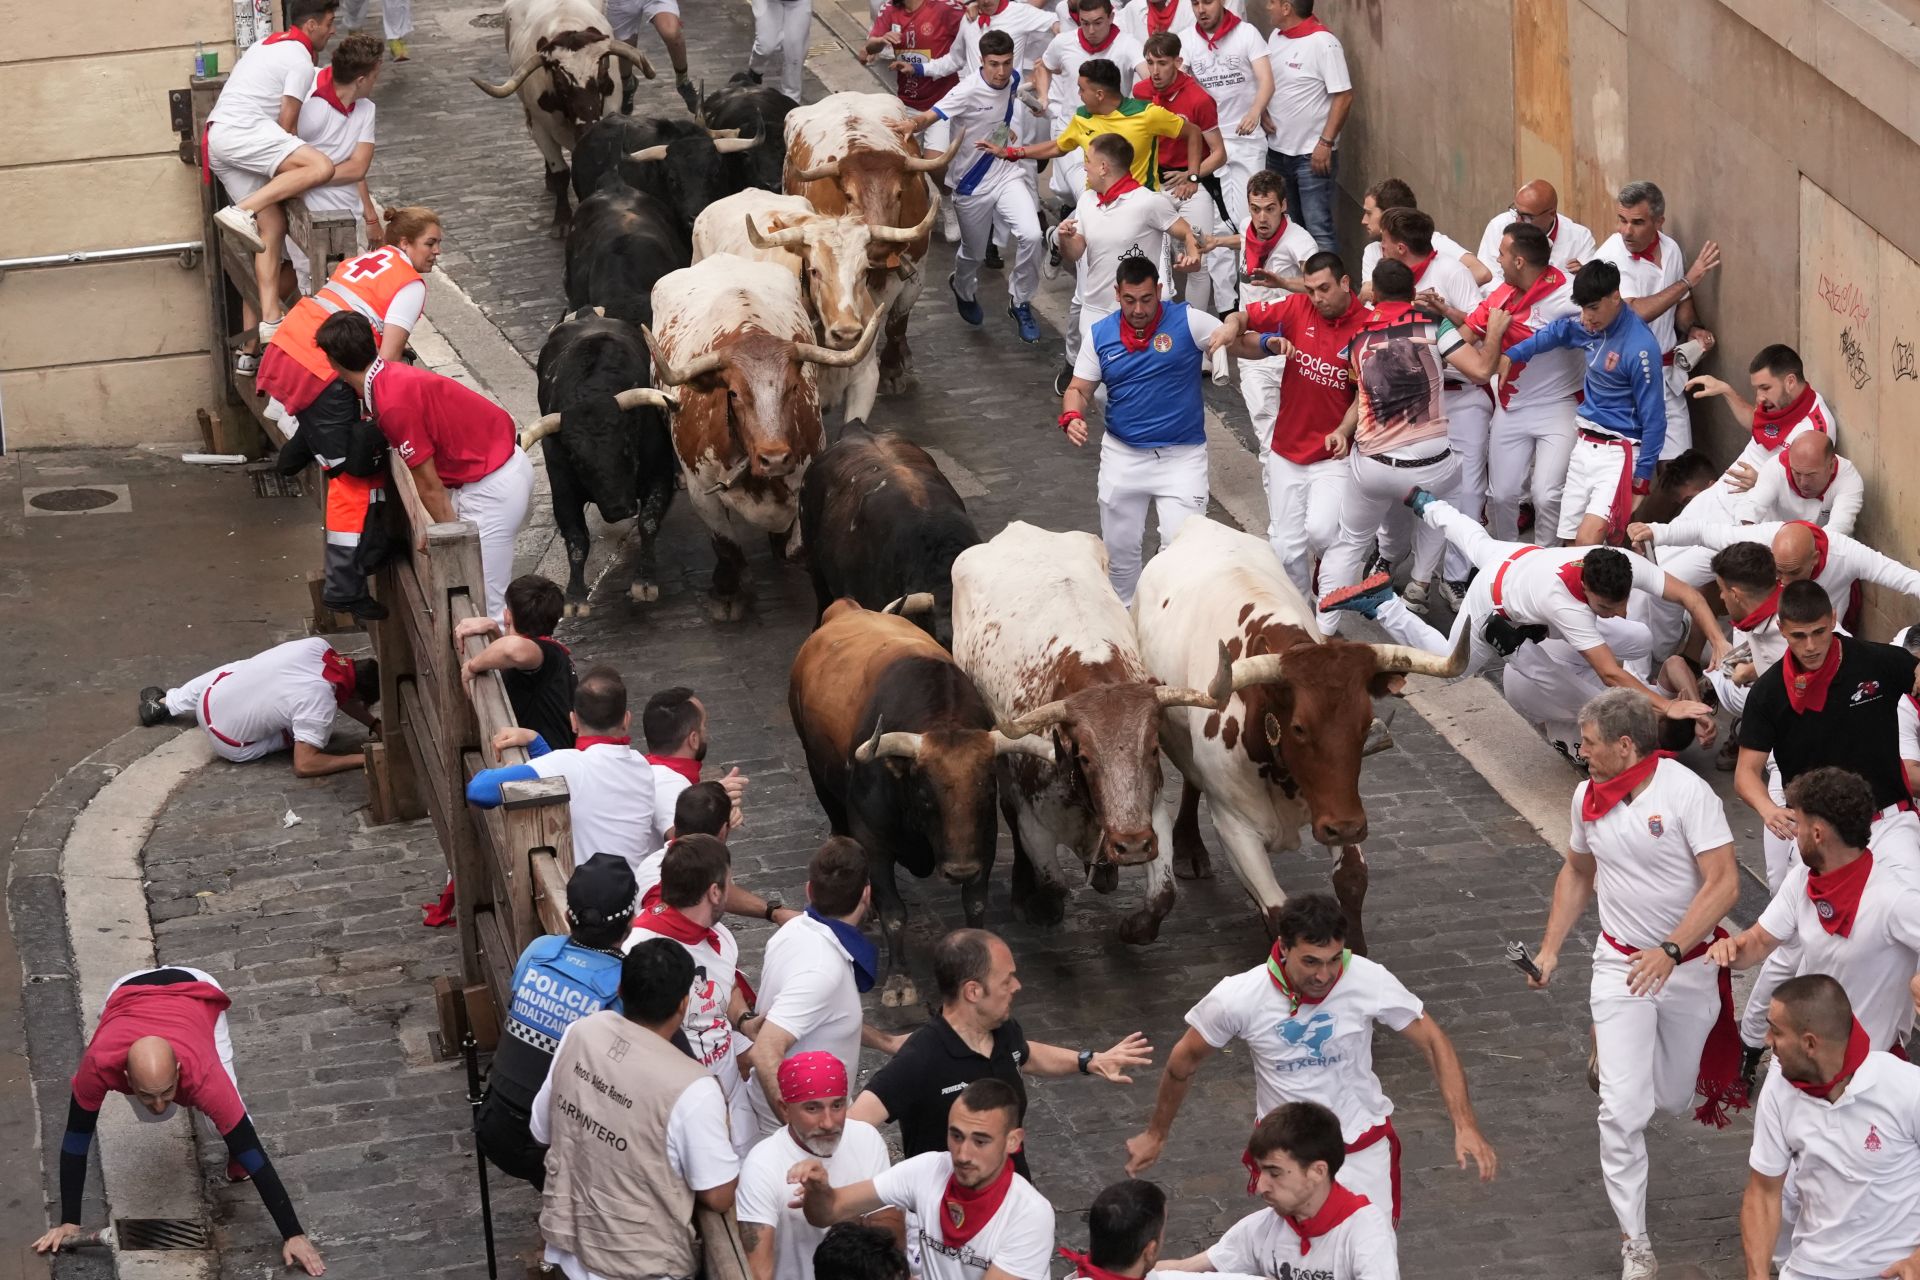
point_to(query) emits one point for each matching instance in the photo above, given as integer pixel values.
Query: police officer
(557, 982)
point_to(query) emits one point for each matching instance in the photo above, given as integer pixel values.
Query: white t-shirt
(1018, 1239)
(1640, 278)
(265, 74)
(1848, 560)
(281, 691)
(1132, 19)
(1646, 849)
(807, 989)
(976, 112)
(1307, 72)
(1567, 242)
(667, 786)
(1444, 246)
(609, 798)
(765, 1194)
(1063, 57)
(1531, 593)
(646, 872)
(1361, 1248)
(1134, 225)
(337, 137)
(698, 1149)
(1856, 1163)
(1910, 729)
(1321, 1052)
(1773, 497)
(1226, 72)
(709, 1031)
(1200, 327)
(1875, 962)
(1030, 28)
(1287, 258)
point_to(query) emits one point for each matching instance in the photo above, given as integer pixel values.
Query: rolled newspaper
(1219, 367)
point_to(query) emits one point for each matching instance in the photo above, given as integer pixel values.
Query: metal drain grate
(268, 483)
(159, 1233)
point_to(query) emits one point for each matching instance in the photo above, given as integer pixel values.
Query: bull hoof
(1140, 928)
(899, 993)
(558, 231)
(1105, 877)
(644, 592)
(1046, 906)
(897, 383)
(577, 609)
(730, 609)
(1192, 861)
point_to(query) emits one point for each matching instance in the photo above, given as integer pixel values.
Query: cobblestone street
(315, 928)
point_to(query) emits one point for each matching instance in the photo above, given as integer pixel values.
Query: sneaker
(1022, 313)
(1454, 592)
(1750, 1072)
(1051, 268)
(244, 226)
(246, 363)
(949, 223)
(267, 328)
(1417, 596)
(1377, 563)
(688, 94)
(1418, 499)
(1637, 1261)
(1363, 598)
(153, 706)
(398, 50)
(1061, 379)
(969, 308)
(992, 261)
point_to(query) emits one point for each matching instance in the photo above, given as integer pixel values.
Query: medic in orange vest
(388, 286)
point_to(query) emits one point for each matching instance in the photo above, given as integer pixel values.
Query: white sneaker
(1050, 265)
(1417, 597)
(1637, 1261)
(243, 225)
(949, 223)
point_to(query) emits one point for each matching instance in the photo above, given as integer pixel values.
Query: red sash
(1718, 1083)
(1500, 578)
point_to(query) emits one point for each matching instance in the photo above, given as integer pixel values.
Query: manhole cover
(74, 499)
(159, 1233)
(489, 21)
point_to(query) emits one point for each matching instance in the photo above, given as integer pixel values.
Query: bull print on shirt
(1313, 1032)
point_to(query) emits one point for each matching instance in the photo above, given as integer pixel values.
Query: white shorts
(628, 15)
(244, 157)
(1593, 477)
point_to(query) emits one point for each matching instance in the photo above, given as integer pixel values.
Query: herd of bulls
(728, 280)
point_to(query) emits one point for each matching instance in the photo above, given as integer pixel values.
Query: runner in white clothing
(1116, 219)
(1749, 586)
(1307, 1017)
(1032, 29)
(1784, 408)
(1272, 251)
(1848, 1130)
(1539, 204)
(1658, 284)
(283, 699)
(1229, 58)
(674, 727)
(1393, 193)
(1800, 551)
(974, 1216)
(1313, 1226)
(1806, 481)
(1649, 840)
(337, 121)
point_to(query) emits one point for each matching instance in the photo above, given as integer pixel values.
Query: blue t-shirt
(1153, 395)
(1624, 389)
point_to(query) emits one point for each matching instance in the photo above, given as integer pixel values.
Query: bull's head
(580, 71)
(772, 404)
(875, 184)
(1310, 715)
(694, 177)
(834, 264)
(598, 436)
(947, 777)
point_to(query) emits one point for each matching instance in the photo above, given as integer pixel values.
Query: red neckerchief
(1112, 33)
(294, 33)
(1794, 484)
(586, 740)
(1820, 546)
(985, 18)
(1163, 22)
(339, 674)
(685, 766)
(1125, 183)
(1651, 255)
(1304, 28)
(964, 1210)
(323, 89)
(1425, 262)
(1807, 690)
(1140, 343)
(1836, 894)
(1341, 1204)
(1569, 575)
(1258, 249)
(1087, 1268)
(1277, 975)
(1553, 236)
(1771, 426)
(1857, 1048)
(1517, 304)
(1228, 22)
(1762, 613)
(1387, 314)
(671, 922)
(1601, 797)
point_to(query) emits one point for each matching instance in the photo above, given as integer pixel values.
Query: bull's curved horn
(672, 377)
(1031, 745)
(831, 169)
(627, 53)
(634, 397)
(1378, 739)
(917, 602)
(647, 154)
(700, 106)
(1261, 668)
(507, 87)
(807, 353)
(934, 164)
(1213, 697)
(900, 746)
(727, 146)
(784, 238)
(539, 429)
(907, 235)
(1035, 720)
(1418, 662)
(717, 134)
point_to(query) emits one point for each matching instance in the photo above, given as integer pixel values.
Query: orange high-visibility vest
(367, 284)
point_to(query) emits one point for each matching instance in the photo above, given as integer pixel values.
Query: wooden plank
(1543, 95)
(529, 827)
(454, 570)
(724, 1256)
(496, 960)
(418, 731)
(549, 893)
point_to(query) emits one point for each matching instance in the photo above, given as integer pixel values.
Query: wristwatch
(773, 904)
(1673, 951)
(1086, 1062)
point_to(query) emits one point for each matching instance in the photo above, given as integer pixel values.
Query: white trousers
(1548, 683)
(1369, 1172)
(222, 1038)
(1536, 439)
(1593, 477)
(1012, 211)
(1469, 421)
(1260, 389)
(1668, 621)
(781, 29)
(1372, 491)
(1173, 481)
(1485, 553)
(1210, 288)
(1649, 1050)
(497, 504)
(191, 696)
(1304, 501)
(1067, 175)
(396, 17)
(1245, 157)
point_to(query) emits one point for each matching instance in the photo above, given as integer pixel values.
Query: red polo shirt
(1317, 386)
(928, 31)
(427, 415)
(183, 1014)
(1185, 98)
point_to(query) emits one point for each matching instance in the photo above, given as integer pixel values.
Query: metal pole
(188, 251)
(472, 1049)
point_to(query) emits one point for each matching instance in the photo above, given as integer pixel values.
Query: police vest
(367, 284)
(1153, 395)
(557, 983)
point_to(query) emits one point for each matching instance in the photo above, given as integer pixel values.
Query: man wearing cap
(285, 698)
(813, 1093)
(163, 1042)
(557, 982)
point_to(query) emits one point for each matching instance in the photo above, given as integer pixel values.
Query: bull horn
(727, 146)
(1261, 668)
(785, 238)
(634, 397)
(1030, 745)
(1213, 697)
(1378, 739)
(1418, 662)
(672, 377)
(700, 106)
(907, 235)
(646, 155)
(627, 53)
(1035, 720)
(534, 432)
(717, 134)
(934, 164)
(900, 746)
(918, 602)
(506, 88)
(807, 353)
(831, 169)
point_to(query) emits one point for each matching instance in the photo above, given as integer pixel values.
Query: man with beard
(674, 726)
(813, 1093)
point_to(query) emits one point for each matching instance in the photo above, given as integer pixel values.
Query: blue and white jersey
(1153, 390)
(977, 112)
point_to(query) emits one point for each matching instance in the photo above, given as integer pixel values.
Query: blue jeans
(1309, 194)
